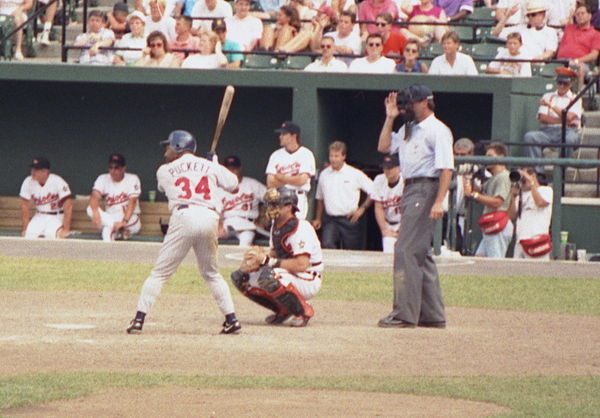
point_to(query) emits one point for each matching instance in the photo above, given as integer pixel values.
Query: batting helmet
(180, 141)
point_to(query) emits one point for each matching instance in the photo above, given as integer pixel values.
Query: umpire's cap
(415, 93)
(180, 141)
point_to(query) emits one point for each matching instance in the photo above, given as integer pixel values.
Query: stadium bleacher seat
(432, 50)
(296, 62)
(482, 14)
(465, 33)
(7, 23)
(547, 69)
(484, 50)
(260, 62)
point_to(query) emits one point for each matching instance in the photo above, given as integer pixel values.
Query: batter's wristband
(274, 262)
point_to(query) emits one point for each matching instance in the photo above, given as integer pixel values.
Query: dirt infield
(59, 331)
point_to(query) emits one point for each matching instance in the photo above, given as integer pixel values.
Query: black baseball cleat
(277, 319)
(231, 327)
(135, 327)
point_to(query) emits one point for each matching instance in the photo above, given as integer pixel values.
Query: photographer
(531, 208)
(494, 195)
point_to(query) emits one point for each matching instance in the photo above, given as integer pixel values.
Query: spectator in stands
(495, 197)
(455, 9)
(18, 9)
(230, 48)
(244, 29)
(327, 63)
(134, 39)
(425, 11)
(95, 38)
(210, 56)
(463, 147)
(580, 42)
(145, 7)
(411, 63)
(539, 40)
(184, 38)
(48, 19)
(241, 209)
(347, 41)
(549, 116)
(513, 11)
(117, 20)
(393, 42)
(531, 208)
(276, 36)
(452, 62)
(337, 201)
(339, 6)
(560, 12)
(184, 8)
(157, 52)
(374, 62)
(210, 8)
(512, 51)
(159, 21)
(325, 22)
(370, 9)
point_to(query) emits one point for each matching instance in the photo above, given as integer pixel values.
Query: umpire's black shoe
(391, 322)
(440, 324)
(231, 327)
(135, 327)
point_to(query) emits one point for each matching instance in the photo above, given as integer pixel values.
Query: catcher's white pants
(109, 220)
(193, 227)
(44, 225)
(387, 243)
(307, 283)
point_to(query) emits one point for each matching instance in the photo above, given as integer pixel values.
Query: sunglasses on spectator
(411, 50)
(562, 82)
(373, 44)
(155, 45)
(328, 46)
(535, 14)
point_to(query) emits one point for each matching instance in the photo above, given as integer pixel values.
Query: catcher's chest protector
(280, 235)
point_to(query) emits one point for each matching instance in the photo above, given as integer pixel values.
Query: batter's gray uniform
(190, 184)
(417, 294)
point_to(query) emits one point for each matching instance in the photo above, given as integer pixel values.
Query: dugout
(77, 115)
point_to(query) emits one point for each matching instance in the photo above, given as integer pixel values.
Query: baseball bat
(223, 112)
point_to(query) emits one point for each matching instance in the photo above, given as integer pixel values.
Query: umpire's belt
(57, 212)
(420, 180)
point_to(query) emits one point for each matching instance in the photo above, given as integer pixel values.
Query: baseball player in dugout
(338, 194)
(424, 148)
(290, 274)
(241, 210)
(292, 165)
(51, 196)
(190, 183)
(120, 192)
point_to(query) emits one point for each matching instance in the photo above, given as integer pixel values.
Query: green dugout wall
(78, 115)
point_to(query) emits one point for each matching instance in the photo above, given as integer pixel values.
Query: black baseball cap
(232, 161)
(390, 161)
(415, 93)
(288, 127)
(218, 24)
(117, 159)
(39, 163)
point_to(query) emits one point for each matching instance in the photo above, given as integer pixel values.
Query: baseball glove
(253, 259)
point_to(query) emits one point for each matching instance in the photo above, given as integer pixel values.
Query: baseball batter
(241, 209)
(50, 195)
(290, 274)
(387, 194)
(120, 191)
(190, 183)
(292, 165)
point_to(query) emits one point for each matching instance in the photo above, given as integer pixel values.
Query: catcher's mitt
(253, 259)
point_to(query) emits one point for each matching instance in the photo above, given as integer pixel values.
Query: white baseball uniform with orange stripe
(116, 197)
(302, 241)
(390, 198)
(191, 184)
(301, 161)
(48, 201)
(240, 210)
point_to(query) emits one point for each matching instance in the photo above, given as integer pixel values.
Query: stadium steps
(590, 136)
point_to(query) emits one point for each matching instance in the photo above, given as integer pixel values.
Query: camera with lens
(472, 172)
(515, 177)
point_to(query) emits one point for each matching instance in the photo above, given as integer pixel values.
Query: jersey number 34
(202, 188)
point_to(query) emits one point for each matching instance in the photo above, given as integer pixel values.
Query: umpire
(424, 146)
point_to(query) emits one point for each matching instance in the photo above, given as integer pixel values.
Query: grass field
(524, 395)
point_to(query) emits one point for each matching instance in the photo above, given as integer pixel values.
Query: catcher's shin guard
(240, 280)
(287, 296)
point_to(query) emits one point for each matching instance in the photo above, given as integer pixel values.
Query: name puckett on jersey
(191, 180)
(47, 198)
(390, 197)
(301, 161)
(245, 202)
(116, 195)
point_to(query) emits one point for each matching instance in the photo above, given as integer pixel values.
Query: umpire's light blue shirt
(428, 150)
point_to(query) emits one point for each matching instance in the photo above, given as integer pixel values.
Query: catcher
(290, 274)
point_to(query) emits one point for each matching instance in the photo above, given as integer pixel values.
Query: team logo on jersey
(117, 199)
(240, 199)
(44, 200)
(289, 170)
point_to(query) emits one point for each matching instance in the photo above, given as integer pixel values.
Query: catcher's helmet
(180, 141)
(281, 196)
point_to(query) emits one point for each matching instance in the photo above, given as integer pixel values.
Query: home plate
(70, 326)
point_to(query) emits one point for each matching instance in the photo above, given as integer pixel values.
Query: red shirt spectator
(393, 43)
(580, 41)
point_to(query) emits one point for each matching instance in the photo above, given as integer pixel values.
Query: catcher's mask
(276, 198)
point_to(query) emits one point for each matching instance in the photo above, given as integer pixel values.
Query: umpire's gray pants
(417, 293)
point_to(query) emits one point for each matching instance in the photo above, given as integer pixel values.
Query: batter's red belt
(58, 212)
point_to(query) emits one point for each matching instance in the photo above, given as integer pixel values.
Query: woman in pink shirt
(427, 12)
(370, 9)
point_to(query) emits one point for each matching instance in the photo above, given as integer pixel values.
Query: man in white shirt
(549, 116)
(347, 40)
(338, 195)
(209, 8)
(242, 28)
(374, 62)
(96, 38)
(158, 20)
(511, 10)
(452, 62)
(327, 63)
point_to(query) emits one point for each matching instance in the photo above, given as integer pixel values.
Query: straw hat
(534, 6)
